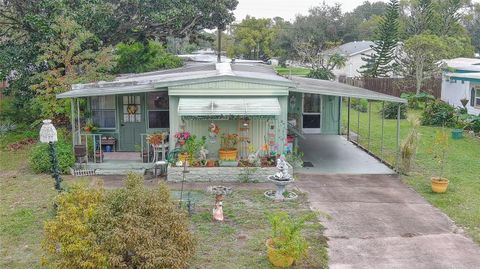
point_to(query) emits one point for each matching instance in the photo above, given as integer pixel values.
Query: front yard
(26, 202)
(462, 200)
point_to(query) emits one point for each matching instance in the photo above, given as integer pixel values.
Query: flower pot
(210, 163)
(80, 151)
(276, 258)
(439, 185)
(457, 133)
(227, 154)
(181, 142)
(99, 156)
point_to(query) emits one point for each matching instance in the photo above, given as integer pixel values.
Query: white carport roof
(263, 106)
(333, 88)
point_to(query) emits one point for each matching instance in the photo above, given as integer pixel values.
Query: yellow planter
(439, 185)
(276, 258)
(227, 154)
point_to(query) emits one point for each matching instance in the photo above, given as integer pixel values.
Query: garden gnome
(218, 208)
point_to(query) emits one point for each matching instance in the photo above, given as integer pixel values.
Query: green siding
(228, 88)
(330, 115)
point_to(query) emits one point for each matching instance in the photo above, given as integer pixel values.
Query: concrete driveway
(376, 221)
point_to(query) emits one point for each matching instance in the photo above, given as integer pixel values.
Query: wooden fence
(394, 86)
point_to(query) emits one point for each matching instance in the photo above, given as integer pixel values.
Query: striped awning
(229, 107)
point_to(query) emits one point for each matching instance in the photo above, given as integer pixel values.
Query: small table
(109, 142)
(162, 148)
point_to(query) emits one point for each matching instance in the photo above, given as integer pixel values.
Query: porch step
(119, 172)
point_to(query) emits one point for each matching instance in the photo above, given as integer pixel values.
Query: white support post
(398, 137)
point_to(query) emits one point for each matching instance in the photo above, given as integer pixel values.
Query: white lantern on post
(48, 134)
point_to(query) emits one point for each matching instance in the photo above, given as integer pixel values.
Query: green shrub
(359, 104)
(391, 109)
(70, 240)
(414, 99)
(438, 113)
(142, 228)
(321, 73)
(40, 159)
(131, 227)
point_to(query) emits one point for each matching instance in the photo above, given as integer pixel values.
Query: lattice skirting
(81, 172)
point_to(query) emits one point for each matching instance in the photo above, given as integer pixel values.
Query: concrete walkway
(333, 154)
(376, 221)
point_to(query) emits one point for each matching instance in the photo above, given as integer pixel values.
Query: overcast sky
(287, 9)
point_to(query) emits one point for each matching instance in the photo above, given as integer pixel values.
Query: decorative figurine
(203, 153)
(218, 208)
(282, 166)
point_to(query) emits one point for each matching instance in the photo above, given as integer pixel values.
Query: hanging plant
(213, 130)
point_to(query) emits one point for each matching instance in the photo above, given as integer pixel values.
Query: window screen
(103, 111)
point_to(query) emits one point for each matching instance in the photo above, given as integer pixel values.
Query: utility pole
(219, 45)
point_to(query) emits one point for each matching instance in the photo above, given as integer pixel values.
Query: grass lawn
(294, 71)
(462, 200)
(26, 202)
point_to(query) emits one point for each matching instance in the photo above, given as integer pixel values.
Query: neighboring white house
(353, 51)
(461, 80)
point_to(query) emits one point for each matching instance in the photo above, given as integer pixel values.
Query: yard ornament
(203, 153)
(213, 132)
(48, 134)
(282, 166)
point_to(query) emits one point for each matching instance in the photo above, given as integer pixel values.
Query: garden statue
(203, 153)
(218, 208)
(282, 166)
(220, 192)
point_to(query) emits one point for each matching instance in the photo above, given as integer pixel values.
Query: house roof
(351, 48)
(463, 64)
(189, 74)
(198, 73)
(470, 76)
(326, 87)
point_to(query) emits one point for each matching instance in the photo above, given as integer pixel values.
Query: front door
(311, 113)
(132, 121)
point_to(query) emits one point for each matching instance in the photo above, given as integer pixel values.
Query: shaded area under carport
(333, 154)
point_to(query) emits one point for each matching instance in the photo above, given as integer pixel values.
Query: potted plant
(439, 152)
(287, 244)
(211, 163)
(228, 149)
(89, 127)
(182, 137)
(191, 148)
(156, 138)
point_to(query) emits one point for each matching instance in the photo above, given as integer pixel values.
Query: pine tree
(381, 62)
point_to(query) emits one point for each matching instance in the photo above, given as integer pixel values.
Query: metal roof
(465, 76)
(263, 106)
(152, 81)
(352, 48)
(464, 64)
(333, 88)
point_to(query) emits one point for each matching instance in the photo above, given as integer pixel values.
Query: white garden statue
(203, 153)
(282, 166)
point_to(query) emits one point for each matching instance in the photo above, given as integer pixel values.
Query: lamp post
(48, 134)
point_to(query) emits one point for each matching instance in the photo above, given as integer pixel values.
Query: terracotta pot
(227, 154)
(276, 258)
(210, 163)
(439, 185)
(181, 142)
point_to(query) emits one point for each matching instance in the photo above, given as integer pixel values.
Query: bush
(438, 113)
(321, 73)
(132, 227)
(40, 159)
(391, 109)
(414, 99)
(359, 104)
(409, 145)
(142, 228)
(70, 240)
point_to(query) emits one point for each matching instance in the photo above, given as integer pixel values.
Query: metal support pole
(358, 125)
(383, 122)
(55, 171)
(369, 123)
(72, 121)
(398, 136)
(348, 119)
(78, 121)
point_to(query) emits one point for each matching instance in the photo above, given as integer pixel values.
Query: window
(311, 103)
(132, 110)
(103, 111)
(158, 114)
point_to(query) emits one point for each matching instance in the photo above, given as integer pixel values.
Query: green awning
(229, 107)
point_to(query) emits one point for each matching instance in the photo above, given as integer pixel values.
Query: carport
(328, 151)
